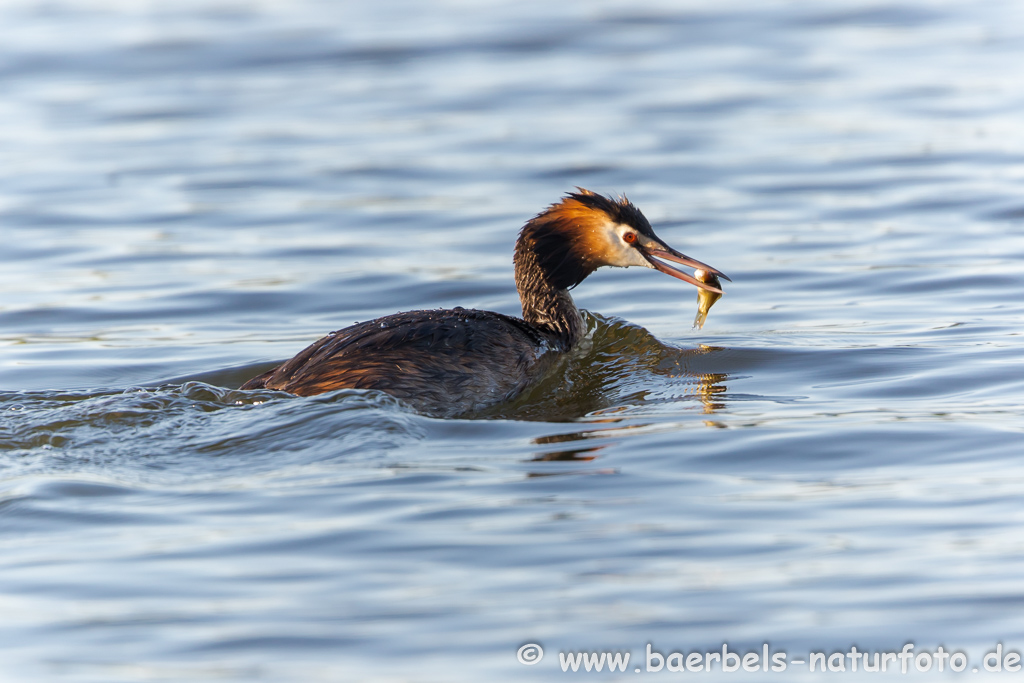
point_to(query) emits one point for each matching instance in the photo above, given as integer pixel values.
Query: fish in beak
(706, 298)
(657, 252)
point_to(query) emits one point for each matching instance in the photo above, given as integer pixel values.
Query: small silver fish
(705, 299)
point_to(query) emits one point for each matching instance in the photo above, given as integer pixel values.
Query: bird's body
(428, 358)
(453, 362)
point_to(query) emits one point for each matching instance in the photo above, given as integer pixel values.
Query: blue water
(192, 192)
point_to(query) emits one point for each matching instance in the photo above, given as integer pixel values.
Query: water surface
(191, 193)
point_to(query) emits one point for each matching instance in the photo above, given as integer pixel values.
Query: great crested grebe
(452, 362)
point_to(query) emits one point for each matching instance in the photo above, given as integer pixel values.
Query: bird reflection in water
(624, 374)
(621, 370)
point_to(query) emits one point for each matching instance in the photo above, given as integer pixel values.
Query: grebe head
(584, 231)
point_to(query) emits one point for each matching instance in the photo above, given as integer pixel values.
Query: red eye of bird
(630, 237)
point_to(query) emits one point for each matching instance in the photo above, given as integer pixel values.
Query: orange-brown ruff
(452, 362)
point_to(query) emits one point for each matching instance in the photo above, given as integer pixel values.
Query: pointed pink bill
(670, 254)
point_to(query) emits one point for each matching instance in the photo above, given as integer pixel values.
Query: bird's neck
(545, 305)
